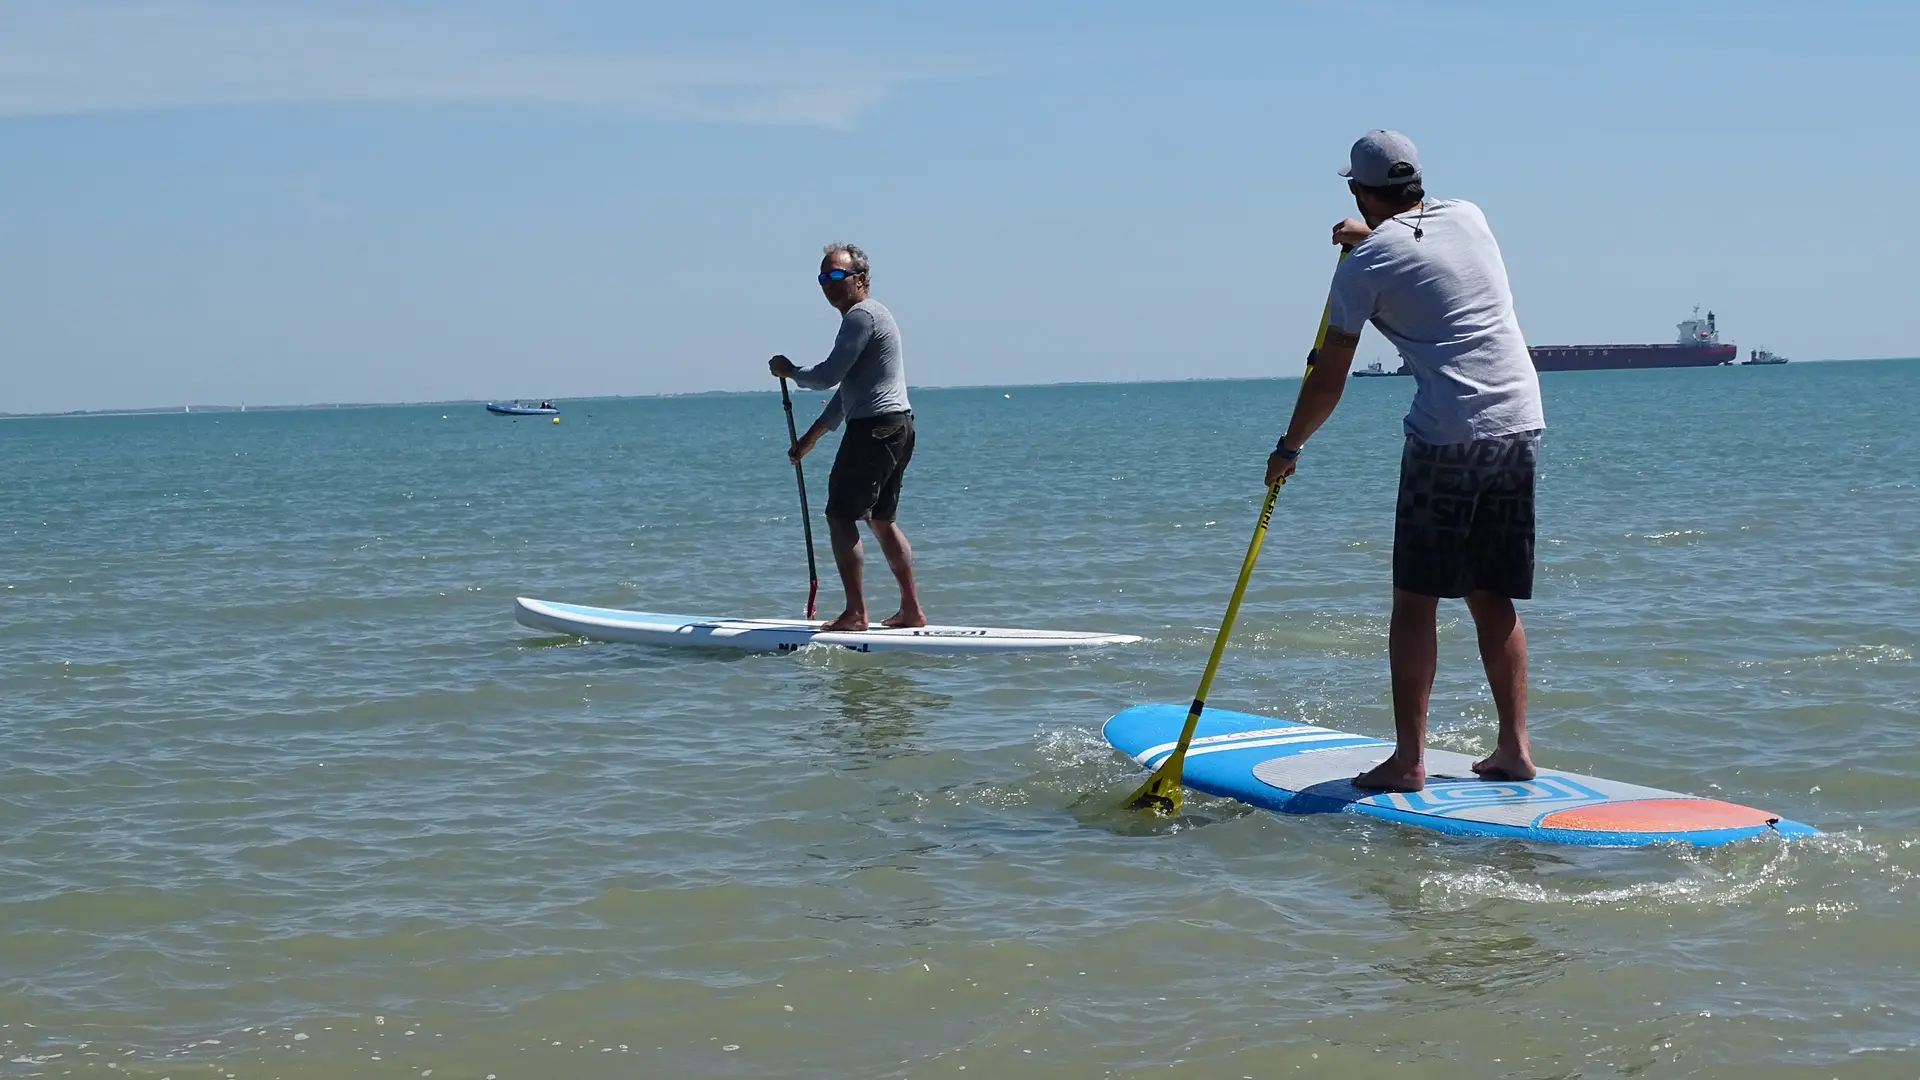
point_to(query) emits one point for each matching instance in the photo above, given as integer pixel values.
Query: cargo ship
(1698, 346)
(1377, 370)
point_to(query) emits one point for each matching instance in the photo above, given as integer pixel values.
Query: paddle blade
(1161, 792)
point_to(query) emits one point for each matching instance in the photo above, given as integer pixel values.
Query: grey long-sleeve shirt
(866, 363)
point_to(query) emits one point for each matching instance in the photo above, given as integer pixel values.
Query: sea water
(286, 792)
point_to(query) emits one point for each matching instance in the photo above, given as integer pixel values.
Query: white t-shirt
(1443, 300)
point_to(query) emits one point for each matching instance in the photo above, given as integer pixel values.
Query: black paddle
(806, 516)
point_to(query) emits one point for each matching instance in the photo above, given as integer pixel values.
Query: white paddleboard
(786, 635)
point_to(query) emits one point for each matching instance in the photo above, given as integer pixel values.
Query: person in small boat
(868, 366)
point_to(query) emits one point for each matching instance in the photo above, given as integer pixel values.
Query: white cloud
(76, 56)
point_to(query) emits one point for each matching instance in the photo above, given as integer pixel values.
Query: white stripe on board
(1262, 733)
(1163, 751)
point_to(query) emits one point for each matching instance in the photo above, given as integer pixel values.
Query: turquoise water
(288, 793)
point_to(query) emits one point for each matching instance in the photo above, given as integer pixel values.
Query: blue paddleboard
(1301, 769)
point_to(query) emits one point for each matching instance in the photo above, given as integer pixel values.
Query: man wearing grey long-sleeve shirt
(867, 365)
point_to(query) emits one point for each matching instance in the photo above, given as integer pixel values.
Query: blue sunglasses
(837, 275)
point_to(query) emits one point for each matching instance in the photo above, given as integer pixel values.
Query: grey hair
(854, 255)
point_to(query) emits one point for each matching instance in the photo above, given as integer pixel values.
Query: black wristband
(1281, 449)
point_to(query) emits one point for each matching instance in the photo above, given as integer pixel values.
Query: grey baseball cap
(1381, 159)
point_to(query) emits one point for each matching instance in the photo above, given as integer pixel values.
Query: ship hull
(1607, 357)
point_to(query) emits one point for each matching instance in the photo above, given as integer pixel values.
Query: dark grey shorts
(1465, 520)
(873, 457)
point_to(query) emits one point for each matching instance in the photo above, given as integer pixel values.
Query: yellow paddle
(1161, 792)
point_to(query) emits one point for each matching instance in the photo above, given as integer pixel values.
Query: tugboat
(1762, 358)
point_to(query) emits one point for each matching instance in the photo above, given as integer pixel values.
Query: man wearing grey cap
(1427, 273)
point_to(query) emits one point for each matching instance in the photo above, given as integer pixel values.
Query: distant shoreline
(250, 408)
(233, 410)
(175, 410)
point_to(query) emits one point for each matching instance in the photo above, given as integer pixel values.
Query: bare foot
(849, 622)
(1499, 765)
(905, 619)
(1390, 775)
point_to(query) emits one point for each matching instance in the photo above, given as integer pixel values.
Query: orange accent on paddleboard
(1658, 815)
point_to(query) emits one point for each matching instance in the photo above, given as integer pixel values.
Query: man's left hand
(1349, 232)
(781, 367)
(1279, 467)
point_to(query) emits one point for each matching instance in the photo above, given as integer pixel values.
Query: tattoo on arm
(1337, 336)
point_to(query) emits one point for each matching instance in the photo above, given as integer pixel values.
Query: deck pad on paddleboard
(1302, 769)
(785, 635)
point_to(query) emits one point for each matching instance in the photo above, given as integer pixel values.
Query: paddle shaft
(806, 516)
(1162, 789)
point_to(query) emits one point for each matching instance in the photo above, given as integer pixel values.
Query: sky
(292, 202)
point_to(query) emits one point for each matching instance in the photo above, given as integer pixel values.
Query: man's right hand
(1280, 466)
(1349, 232)
(781, 367)
(799, 450)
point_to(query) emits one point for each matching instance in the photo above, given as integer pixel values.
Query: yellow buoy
(556, 419)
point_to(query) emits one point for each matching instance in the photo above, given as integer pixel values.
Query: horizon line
(187, 407)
